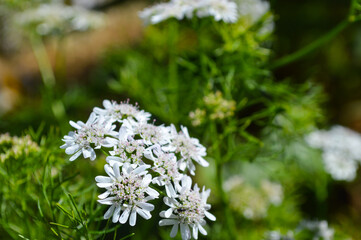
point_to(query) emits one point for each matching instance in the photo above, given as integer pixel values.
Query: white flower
(149, 133)
(49, 19)
(189, 149)
(126, 193)
(187, 209)
(165, 164)
(97, 132)
(123, 110)
(220, 10)
(339, 165)
(127, 150)
(319, 229)
(341, 149)
(273, 191)
(276, 235)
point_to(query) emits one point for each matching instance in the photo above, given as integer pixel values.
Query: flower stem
(310, 47)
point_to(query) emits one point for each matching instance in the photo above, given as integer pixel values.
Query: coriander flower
(126, 193)
(127, 150)
(187, 210)
(339, 165)
(165, 164)
(341, 149)
(120, 111)
(149, 133)
(97, 132)
(57, 18)
(319, 229)
(189, 149)
(220, 10)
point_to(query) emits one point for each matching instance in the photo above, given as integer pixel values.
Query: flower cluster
(220, 10)
(143, 157)
(14, 147)
(341, 149)
(216, 108)
(57, 19)
(306, 229)
(252, 202)
(318, 229)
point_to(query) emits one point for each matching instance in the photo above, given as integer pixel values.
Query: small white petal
(104, 195)
(124, 217)
(75, 156)
(166, 222)
(210, 216)
(72, 149)
(185, 231)
(103, 179)
(116, 214)
(104, 185)
(74, 125)
(195, 232)
(168, 212)
(133, 217)
(109, 212)
(202, 230)
(174, 231)
(146, 206)
(152, 192)
(144, 214)
(116, 170)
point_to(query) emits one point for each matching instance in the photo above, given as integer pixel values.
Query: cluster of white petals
(57, 18)
(187, 210)
(341, 151)
(219, 10)
(140, 155)
(319, 229)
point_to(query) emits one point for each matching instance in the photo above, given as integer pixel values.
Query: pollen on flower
(128, 190)
(191, 208)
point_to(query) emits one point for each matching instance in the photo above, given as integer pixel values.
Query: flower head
(189, 149)
(220, 10)
(164, 164)
(97, 132)
(53, 19)
(188, 208)
(126, 192)
(120, 111)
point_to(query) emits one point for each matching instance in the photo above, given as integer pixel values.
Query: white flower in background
(319, 229)
(341, 150)
(252, 10)
(274, 192)
(339, 165)
(97, 132)
(220, 10)
(188, 210)
(251, 201)
(126, 191)
(189, 149)
(165, 164)
(276, 235)
(57, 18)
(123, 110)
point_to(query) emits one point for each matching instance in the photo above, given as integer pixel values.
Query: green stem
(43, 61)
(310, 47)
(224, 201)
